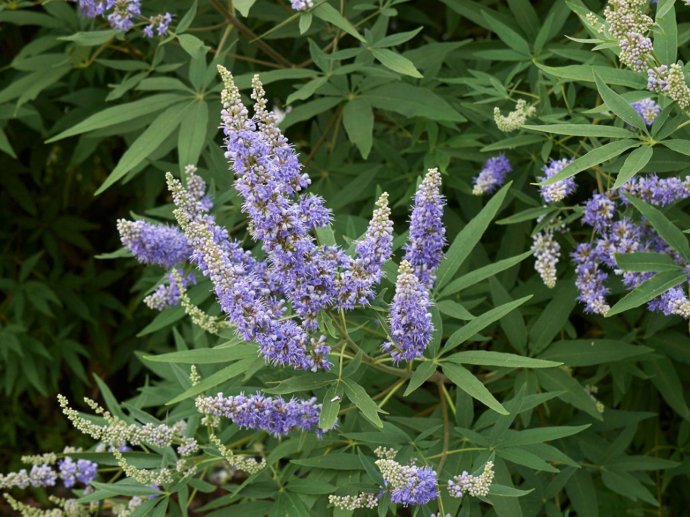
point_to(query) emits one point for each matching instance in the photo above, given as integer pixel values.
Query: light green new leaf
(646, 262)
(634, 163)
(468, 238)
(243, 6)
(147, 143)
(666, 229)
(358, 119)
(499, 359)
(481, 322)
(119, 114)
(467, 382)
(592, 158)
(363, 401)
(619, 105)
(396, 62)
(192, 136)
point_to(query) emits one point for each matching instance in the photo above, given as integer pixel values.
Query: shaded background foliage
(66, 315)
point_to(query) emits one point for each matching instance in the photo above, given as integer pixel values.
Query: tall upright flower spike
(657, 191)
(356, 282)
(410, 319)
(268, 176)
(547, 252)
(409, 485)
(475, 486)
(559, 190)
(515, 119)
(427, 234)
(274, 415)
(243, 296)
(492, 176)
(159, 244)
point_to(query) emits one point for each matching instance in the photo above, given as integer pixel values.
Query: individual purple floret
(590, 280)
(301, 5)
(674, 302)
(168, 294)
(410, 319)
(154, 243)
(599, 211)
(274, 415)
(648, 110)
(559, 190)
(197, 188)
(427, 234)
(492, 176)
(160, 23)
(71, 471)
(123, 13)
(624, 237)
(366, 270)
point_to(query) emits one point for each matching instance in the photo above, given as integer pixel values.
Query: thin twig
(322, 139)
(446, 426)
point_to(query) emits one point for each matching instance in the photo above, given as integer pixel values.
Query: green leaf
(333, 461)
(126, 487)
(646, 262)
(147, 143)
(646, 291)
(666, 229)
(618, 105)
(207, 355)
(541, 434)
(363, 401)
(666, 380)
(508, 35)
(525, 215)
(513, 142)
(243, 6)
(590, 352)
(305, 20)
(331, 406)
(310, 486)
(396, 62)
(482, 273)
(5, 145)
(678, 145)
(582, 494)
(358, 120)
(553, 317)
(420, 376)
(308, 110)
(192, 136)
(411, 101)
(666, 38)
(555, 379)
(214, 380)
(329, 14)
(454, 310)
(609, 75)
(468, 383)
(306, 90)
(507, 491)
(91, 38)
(302, 383)
(634, 163)
(187, 19)
(500, 359)
(595, 131)
(119, 114)
(592, 158)
(468, 238)
(481, 322)
(192, 45)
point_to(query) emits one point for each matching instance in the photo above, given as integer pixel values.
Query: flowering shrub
(445, 279)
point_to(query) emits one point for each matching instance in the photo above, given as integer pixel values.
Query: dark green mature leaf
(539, 435)
(618, 76)
(396, 62)
(582, 494)
(467, 239)
(207, 355)
(302, 383)
(468, 383)
(666, 380)
(500, 359)
(333, 461)
(358, 120)
(582, 130)
(328, 14)
(454, 310)
(666, 229)
(618, 105)
(592, 158)
(126, 487)
(214, 380)
(553, 317)
(411, 101)
(555, 379)
(331, 406)
(192, 136)
(648, 290)
(586, 352)
(91, 38)
(508, 35)
(420, 376)
(481, 322)
(644, 261)
(363, 401)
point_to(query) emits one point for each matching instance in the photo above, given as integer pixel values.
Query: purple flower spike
(427, 234)
(492, 176)
(154, 243)
(561, 189)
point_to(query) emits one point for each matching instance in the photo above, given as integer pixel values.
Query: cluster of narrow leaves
(579, 414)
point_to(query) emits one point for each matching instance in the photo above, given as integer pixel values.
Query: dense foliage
(439, 268)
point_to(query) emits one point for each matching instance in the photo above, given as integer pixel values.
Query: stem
(446, 426)
(322, 139)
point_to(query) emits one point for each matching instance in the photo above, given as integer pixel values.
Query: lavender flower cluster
(492, 176)
(45, 475)
(274, 415)
(122, 15)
